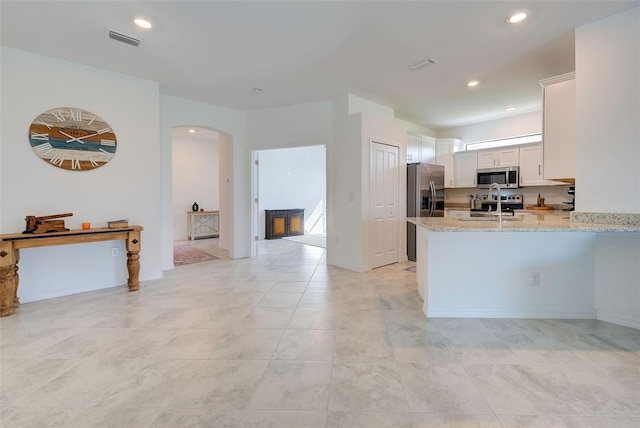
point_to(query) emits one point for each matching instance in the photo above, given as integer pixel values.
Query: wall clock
(72, 138)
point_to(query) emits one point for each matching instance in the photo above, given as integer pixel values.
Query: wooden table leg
(133, 260)
(8, 279)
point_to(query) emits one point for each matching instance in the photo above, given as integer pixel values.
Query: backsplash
(553, 195)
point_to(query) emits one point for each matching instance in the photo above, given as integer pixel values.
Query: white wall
(356, 123)
(617, 278)
(608, 142)
(292, 126)
(195, 178)
(129, 186)
(512, 126)
(608, 114)
(294, 178)
(234, 160)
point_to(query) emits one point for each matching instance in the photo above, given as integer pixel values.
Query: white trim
(627, 322)
(501, 313)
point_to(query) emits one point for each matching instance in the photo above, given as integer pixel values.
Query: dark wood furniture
(280, 223)
(10, 246)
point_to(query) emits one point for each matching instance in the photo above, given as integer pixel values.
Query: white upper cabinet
(465, 166)
(444, 156)
(420, 149)
(414, 148)
(559, 127)
(531, 166)
(498, 157)
(428, 152)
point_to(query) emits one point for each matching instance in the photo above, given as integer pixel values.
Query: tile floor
(283, 340)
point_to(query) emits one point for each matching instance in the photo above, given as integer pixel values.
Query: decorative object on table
(194, 207)
(72, 138)
(86, 225)
(114, 224)
(45, 223)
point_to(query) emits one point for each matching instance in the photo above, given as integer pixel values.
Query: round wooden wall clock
(72, 138)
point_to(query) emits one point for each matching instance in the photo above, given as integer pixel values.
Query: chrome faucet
(499, 204)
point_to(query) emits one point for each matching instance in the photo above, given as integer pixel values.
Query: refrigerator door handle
(433, 198)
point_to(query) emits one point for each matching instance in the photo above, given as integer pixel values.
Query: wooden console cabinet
(280, 223)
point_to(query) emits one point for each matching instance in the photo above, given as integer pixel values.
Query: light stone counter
(554, 221)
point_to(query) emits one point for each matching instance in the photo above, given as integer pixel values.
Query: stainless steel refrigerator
(425, 197)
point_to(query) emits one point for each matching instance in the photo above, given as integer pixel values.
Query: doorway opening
(290, 179)
(196, 195)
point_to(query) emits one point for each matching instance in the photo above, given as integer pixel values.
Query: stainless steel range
(509, 203)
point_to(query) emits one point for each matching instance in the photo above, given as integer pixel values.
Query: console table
(10, 246)
(203, 224)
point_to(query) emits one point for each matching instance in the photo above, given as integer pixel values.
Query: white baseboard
(614, 319)
(506, 313)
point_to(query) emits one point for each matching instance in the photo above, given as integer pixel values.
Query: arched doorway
(200, 171)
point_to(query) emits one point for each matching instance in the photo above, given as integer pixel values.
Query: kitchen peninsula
(529, 266)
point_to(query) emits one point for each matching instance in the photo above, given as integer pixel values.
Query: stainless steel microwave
(506, 177)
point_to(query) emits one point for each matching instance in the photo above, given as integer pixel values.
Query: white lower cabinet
(465, 165)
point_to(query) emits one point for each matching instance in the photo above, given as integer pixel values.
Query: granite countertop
(554, 221)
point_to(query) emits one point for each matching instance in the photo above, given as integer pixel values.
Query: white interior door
(385, 176)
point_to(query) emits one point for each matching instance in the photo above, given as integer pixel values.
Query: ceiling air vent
(422, 64)
(123, 38)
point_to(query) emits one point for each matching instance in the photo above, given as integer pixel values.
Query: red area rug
(186, 255)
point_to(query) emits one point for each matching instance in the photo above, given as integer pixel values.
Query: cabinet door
(465, 166)
(509, 157)
(428, 152)
(559, 128)
(414, 146)
(276, 224)
(486, 159)
(531, 173)
(444, 157)
(296, 222)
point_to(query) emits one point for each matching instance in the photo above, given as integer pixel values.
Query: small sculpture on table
(45, 224)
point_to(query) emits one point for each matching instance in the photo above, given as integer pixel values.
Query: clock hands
(77, 139)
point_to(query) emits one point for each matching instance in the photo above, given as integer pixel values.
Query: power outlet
(115, 251)
(535, 279)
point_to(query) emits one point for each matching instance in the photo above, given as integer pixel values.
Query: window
(501, 142)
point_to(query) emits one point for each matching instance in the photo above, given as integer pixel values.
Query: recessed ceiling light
(142, 23)
(510, 108)
(517, 17)
(192, 131)
(473, 83)
(258, 91)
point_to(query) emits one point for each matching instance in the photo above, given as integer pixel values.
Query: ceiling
(306, 51)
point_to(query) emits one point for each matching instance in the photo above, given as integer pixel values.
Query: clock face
(72, 138)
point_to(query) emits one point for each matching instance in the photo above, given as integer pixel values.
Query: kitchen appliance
(509, 203)
(572, 202)
(507, 177)
(425, 197)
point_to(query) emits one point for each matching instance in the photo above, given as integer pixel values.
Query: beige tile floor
(283, 340)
